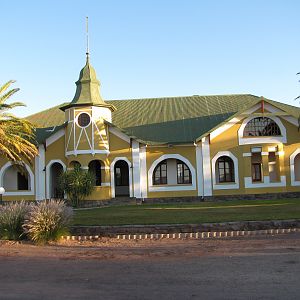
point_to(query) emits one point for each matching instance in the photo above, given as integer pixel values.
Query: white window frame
(178, 187)
(264, 139)
(225, 185)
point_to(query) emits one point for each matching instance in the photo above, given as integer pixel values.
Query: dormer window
(261, 126)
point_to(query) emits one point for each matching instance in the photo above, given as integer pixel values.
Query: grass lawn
(193, 213)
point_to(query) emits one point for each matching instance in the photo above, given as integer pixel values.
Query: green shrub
(77, 184)
(12, 218)
(47, 221)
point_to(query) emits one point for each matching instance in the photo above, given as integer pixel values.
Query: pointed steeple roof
(87, 88)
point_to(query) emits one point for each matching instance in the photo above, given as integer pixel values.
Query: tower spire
(87, 38)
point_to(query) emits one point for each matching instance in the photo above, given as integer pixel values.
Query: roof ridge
(177, 97)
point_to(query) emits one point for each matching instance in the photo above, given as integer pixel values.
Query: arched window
(183, 173)
(95, 169)
(262, 126)
(225, 169)
(16, 178)
(160, 173)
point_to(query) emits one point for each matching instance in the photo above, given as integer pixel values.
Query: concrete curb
(191, 235)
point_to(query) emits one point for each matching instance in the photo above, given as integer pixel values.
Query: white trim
(143, 175)
(54, 137)
(199, 166)
(105, 168)
(166, 188)
(207, 182)
(266, 184)
(18, 193)
(232, 122)
(39, 167)
(76, 119)
(256, 149)
(262, 140)
(224, 127)
(112, 176)
(119, 134)
(225, 186)
(136, 169)
(247, 154)
(76, 152)
(50, 163)
(294, 182)
(274, 109)
(105, 183)
(272, 149)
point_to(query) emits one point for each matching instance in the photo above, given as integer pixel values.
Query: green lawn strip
(190, 213)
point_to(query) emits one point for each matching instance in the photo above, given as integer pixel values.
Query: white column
(143, 176)
(199, 166)
(39, 170)
(136, 169)
(207, 185)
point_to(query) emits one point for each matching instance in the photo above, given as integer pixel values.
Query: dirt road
(256, 268)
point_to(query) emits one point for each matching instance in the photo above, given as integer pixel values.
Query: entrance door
(121, 178)
(55, 171)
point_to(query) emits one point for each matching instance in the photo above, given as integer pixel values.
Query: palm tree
(17, 136)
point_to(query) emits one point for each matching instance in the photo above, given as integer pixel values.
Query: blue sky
(155, 48)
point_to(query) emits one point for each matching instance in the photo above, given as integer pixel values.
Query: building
(170, 147)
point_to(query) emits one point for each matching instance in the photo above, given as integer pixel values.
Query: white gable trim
(232, 122)
(119, 134)
(54, 137)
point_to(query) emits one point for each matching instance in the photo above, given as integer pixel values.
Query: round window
(84, 120)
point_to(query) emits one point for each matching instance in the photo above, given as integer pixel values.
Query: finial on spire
(87, 38)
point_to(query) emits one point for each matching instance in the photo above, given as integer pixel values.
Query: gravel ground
(241, 268)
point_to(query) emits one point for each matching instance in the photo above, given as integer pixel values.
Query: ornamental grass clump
(48, 221)
(12, 217)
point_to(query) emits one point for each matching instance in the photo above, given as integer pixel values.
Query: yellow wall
(153, 153)
(228, 141)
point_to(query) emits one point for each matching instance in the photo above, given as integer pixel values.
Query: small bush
(47, 221)
(77, 184)
(12, 218)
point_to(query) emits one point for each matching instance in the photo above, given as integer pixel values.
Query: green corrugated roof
(43, 133)
(171, 119)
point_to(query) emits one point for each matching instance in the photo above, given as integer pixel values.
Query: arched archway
(56, 170)
(17, 179)
(53, 169)
(95, 168)
(121, 173)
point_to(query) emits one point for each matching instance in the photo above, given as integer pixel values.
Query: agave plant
(17, 136)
